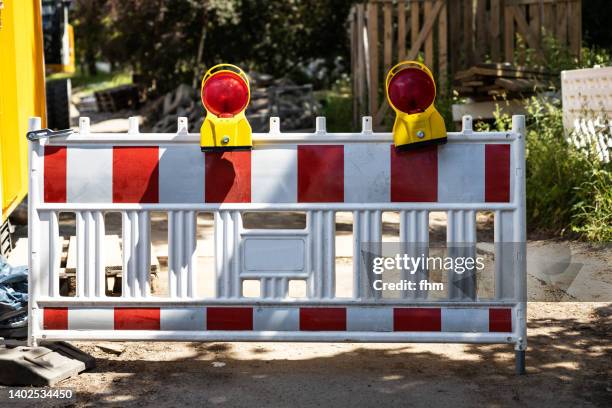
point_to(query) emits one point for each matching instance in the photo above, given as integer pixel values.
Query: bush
(171, 42)
(569, 190)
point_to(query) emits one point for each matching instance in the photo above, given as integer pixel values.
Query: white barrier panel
(319, 174)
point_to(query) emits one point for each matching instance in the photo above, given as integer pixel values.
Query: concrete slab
(41, 366)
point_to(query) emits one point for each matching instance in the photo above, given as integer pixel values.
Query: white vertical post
(366, 124)
(84, 125)
(320, 124)
(467, 124)
(34, 263)
(181, 253)
(136, 254)
(182, 125)
(520, 232)
(133, 125)
(227, 253)
(367, 235)
(274, 124)
(321, 254)
(414, 241)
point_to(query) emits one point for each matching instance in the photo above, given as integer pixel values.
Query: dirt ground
(568, 364)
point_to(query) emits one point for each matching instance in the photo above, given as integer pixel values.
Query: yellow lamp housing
(411, 91)
(225, 94)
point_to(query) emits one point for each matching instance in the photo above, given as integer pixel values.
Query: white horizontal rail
(396, 206)
(319, 336)
(265, 138)
(44, 301)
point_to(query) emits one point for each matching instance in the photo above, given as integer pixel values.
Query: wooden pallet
(112, 258)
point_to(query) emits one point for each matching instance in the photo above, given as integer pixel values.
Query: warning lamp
(225, 95)
(411, 92)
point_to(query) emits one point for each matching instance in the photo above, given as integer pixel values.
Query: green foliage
(593, 210)
(568, 189)
(337, 106)
(168, 42)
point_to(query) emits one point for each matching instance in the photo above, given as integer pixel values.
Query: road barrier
(318, 174)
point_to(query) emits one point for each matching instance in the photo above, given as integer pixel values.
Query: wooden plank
(548, 19)
(535, 22)
(443, 51)
(527, 2)
(388, 35)
(456, 45)
(495, 24)
(574, 15)
(524, 29)
(482, 33)
(373, 54)
(499, 70)
(427, 26)
(561, 26)
(354, 64)
(468, 32)
(509, 34)
(487, 109)
(113, 257)
(401, 30)
(429, 57)
(414, 50)
(414, 23)
(361, 66)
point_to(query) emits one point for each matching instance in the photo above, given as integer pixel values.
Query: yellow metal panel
(22, 94)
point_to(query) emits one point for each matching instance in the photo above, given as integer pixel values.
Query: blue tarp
(13, 300)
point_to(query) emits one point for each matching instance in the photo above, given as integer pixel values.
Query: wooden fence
(449, 35)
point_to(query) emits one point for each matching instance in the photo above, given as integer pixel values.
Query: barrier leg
(520, 361)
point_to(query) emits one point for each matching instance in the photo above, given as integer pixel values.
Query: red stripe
(128, 318)
(497, 173)
(414, 175)
(55, 318)
(500, 320)
(320, 174)
(229, 318)
(135, 174)
(417, 319)
(323, 318)
(55, 174)
(228, 177)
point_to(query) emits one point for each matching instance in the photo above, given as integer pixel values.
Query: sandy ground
(568, 364)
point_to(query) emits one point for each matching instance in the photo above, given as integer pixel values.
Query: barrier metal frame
(360, 312)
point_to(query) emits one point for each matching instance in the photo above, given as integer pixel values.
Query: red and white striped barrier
(348, 173)
(319, 174)
(282, 319)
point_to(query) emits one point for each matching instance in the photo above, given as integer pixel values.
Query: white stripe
(274, 175)
(185, 318)
(465, 320)
(369, 319)
(89, 174)
(91, 319)
(461, 173)
(181, 174)
(367, 172)
(276, 319)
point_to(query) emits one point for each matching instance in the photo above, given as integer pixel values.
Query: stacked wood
(486, 81)
(295, 105)
(118, 98)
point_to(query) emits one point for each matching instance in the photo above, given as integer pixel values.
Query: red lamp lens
(411, 90)
(225, 94)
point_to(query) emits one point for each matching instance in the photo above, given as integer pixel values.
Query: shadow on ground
(568, 363)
